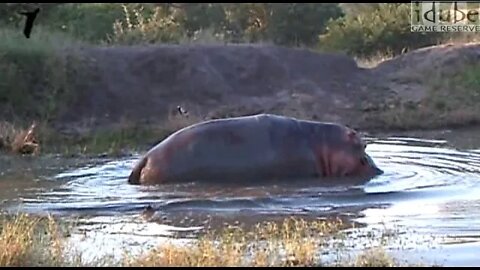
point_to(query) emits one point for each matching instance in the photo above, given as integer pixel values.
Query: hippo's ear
(352, 136)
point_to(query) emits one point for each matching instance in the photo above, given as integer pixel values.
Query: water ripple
(417, 172)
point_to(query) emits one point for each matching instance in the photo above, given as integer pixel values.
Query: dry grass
(137, 28)
(18, 140)
(34, 241)
(294, 242)
(30, 241)
(373, 61)
(291, 243)
(112, 140)
(375, 257)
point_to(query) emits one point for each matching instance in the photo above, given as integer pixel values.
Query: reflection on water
(428, 186)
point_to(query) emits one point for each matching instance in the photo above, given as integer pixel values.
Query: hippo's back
(260, 146)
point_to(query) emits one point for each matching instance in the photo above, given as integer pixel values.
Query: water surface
(429, 192)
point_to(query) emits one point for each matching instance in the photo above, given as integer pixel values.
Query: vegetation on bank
(30, 241)
(120, 140)
(43, 241)
(356, 29)
(40, 78)
(452, 93)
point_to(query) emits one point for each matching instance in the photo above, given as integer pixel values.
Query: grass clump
(35, 241)
(116, 139)
(137, 27)
(293, 242)
(20, 141)
(375, 257)
(30, 241)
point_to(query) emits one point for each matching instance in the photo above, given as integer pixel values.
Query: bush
(296, 24)
(283, 24)
(196, 17)
(385, 28)
(89, 22)
(139, 27)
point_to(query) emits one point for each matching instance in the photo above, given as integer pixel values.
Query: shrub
(386, 28)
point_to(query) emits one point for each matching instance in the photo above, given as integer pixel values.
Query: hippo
(256, 148)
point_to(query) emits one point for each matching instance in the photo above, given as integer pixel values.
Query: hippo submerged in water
(255, 148)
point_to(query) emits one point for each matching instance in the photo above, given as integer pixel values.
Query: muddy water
(429, 195)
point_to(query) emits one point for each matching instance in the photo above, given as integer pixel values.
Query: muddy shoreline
(95, 143)
(139, 144)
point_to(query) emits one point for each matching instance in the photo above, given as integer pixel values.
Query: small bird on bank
(31, 15)
(182, 111)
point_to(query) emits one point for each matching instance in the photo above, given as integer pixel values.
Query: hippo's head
(341, 150)
(350, 158)
(367, 166)
(350, 165)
